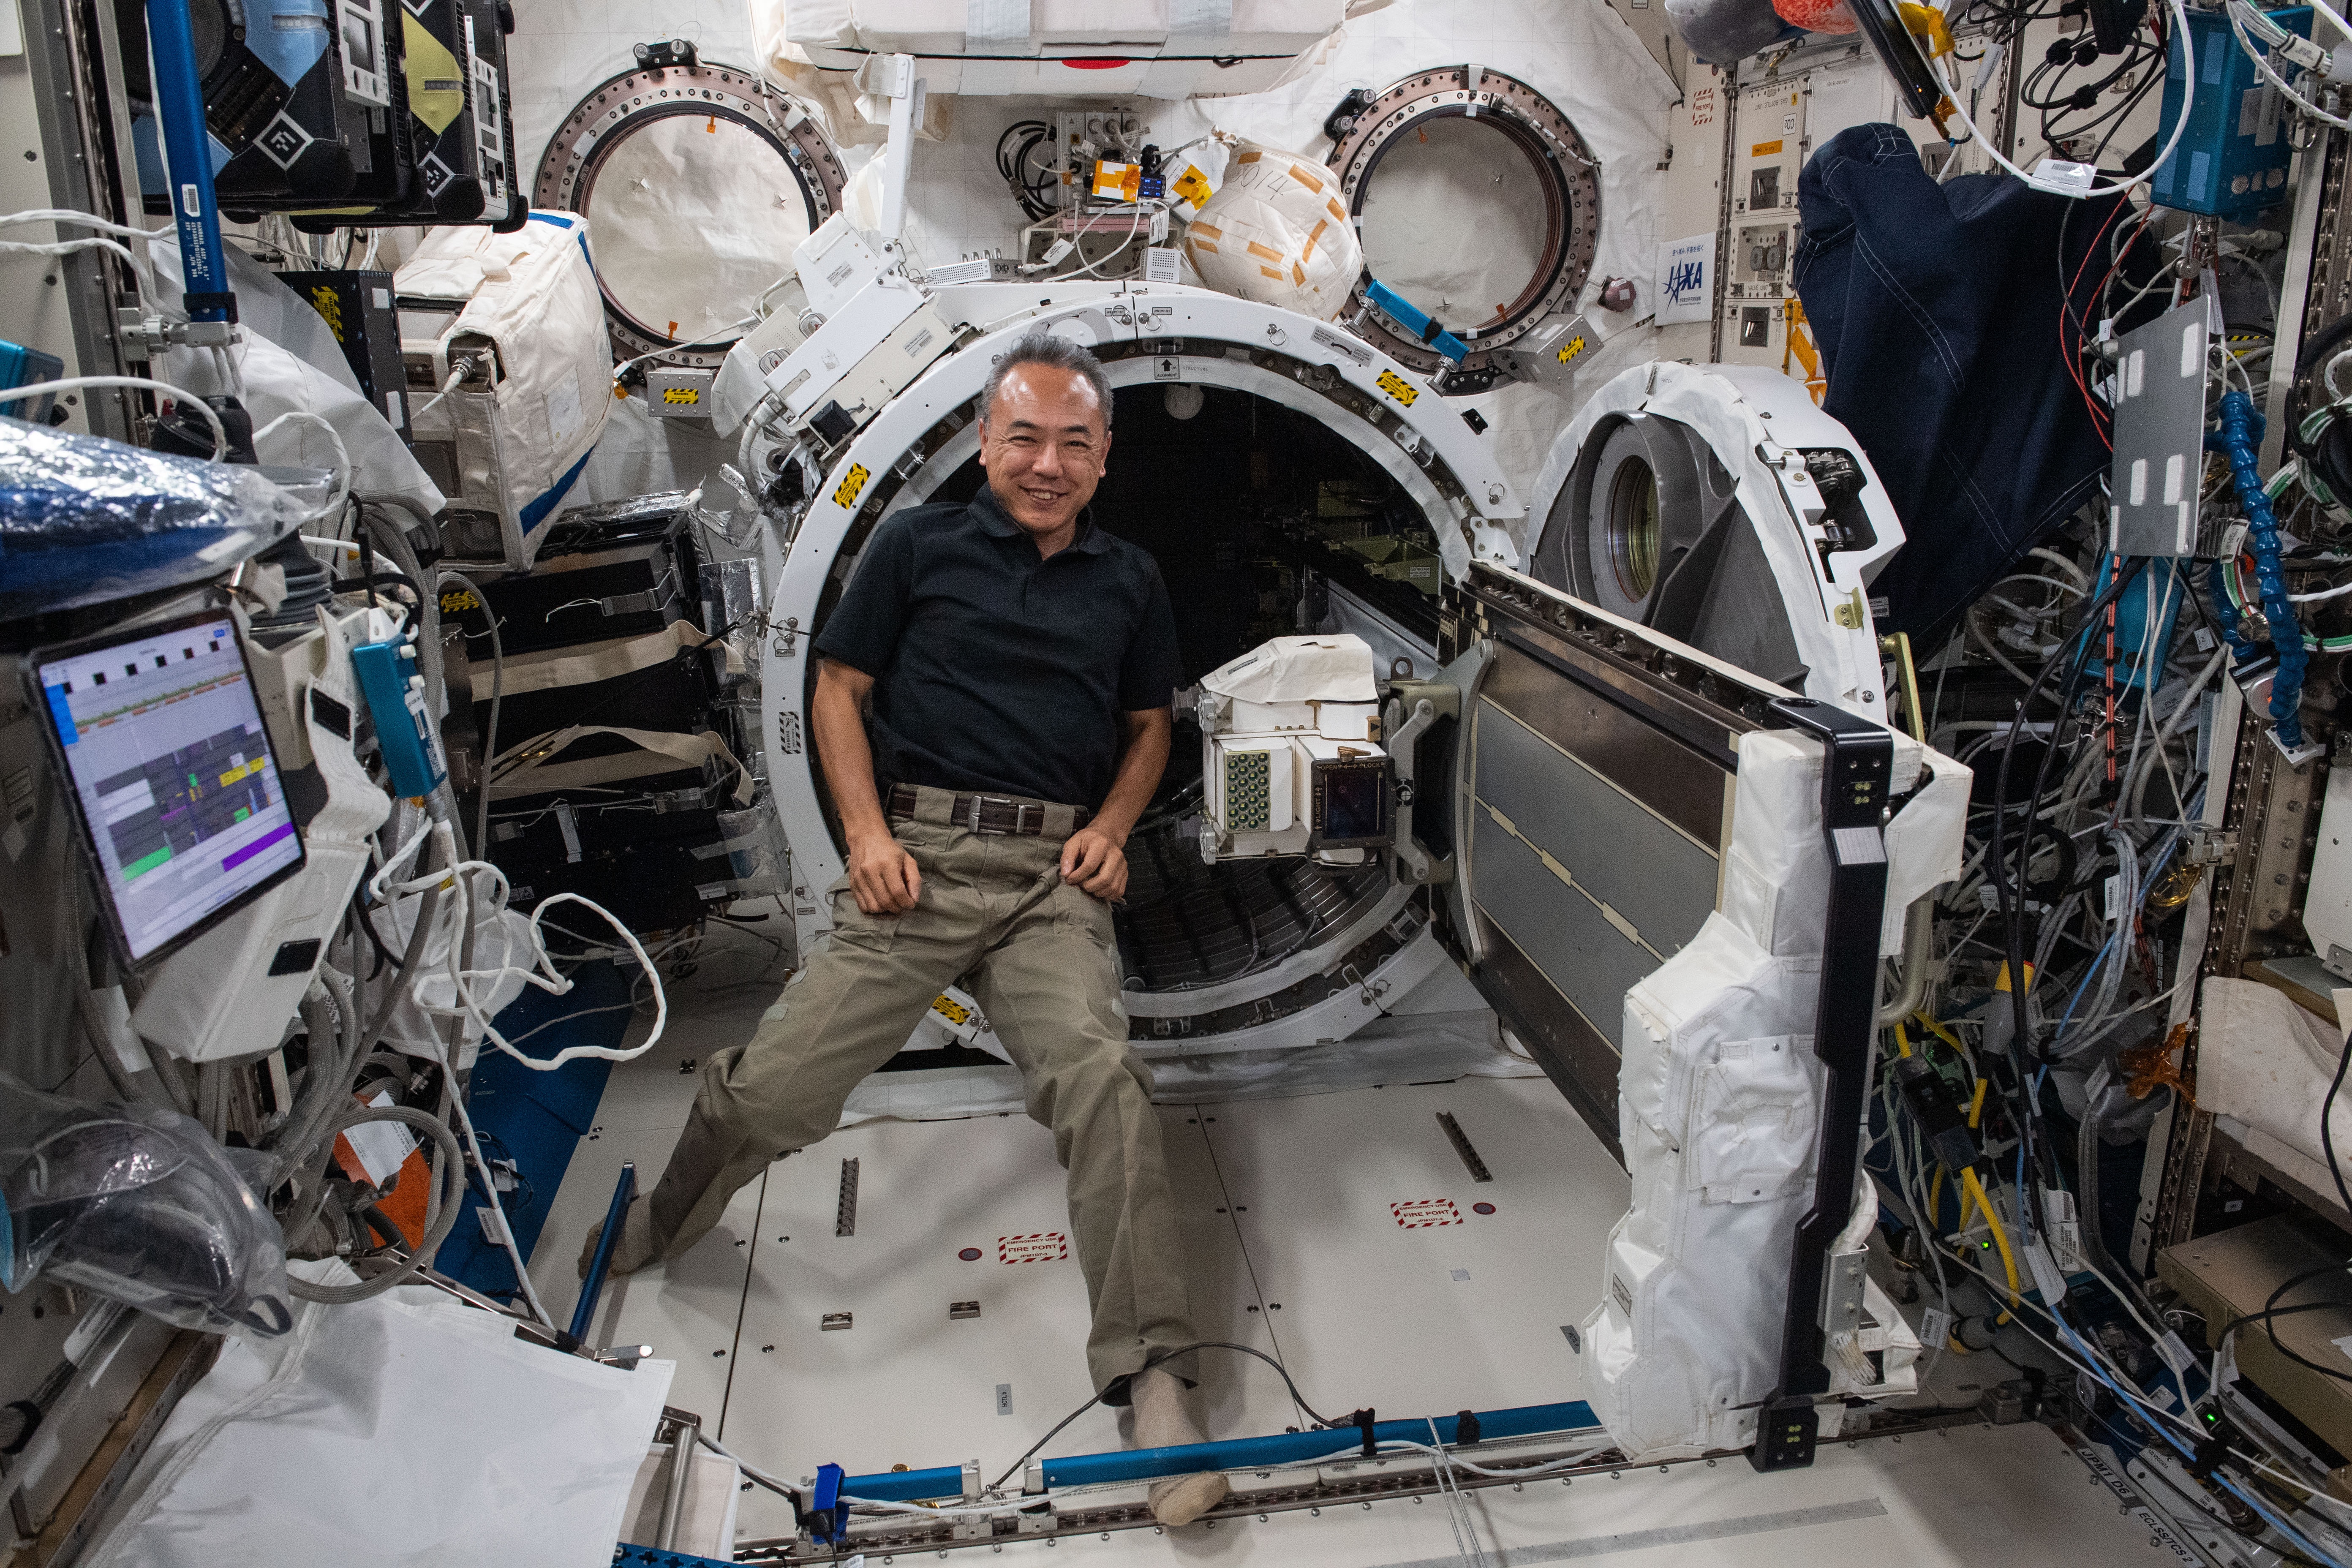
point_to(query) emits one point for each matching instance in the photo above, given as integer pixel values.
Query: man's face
(1042, 444)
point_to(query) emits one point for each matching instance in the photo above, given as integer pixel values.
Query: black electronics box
(646, 849)
(630, 827)
(622, 569)
(358, 308)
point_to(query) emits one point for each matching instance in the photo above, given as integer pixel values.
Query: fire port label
(1422, 1213)
(1040, 1247)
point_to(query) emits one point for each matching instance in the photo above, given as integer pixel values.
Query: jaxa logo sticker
(1397, 387)
(852, 484)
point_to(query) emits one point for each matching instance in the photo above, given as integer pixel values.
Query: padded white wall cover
(534, 295)
(1276, 232)
(1719, 1108)
(1163, 48)
(2266, 1063)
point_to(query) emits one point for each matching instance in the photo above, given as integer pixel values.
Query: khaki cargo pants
(1041, 951)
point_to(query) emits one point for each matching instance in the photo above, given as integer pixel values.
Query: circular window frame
(1551, 143)
(617, 109)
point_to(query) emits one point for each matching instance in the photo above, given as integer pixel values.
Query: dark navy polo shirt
(995, 672)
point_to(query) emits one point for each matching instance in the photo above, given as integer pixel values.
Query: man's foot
(1162, 1422)
(636, 1247)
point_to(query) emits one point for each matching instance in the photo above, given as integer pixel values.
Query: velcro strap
(1191, 18)
(995, 22)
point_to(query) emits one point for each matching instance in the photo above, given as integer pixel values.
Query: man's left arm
(1095, 856)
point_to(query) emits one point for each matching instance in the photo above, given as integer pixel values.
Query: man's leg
(1050, 986)
(842, 1015)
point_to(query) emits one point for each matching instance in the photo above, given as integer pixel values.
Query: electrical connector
(1936, 1108)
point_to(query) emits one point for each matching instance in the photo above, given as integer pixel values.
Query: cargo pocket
(1753, 1120)
(1078, 910)
(853, 927)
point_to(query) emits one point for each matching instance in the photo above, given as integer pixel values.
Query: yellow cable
(1941, 1033)
(1976, 1104)
(1970, 1184)
(1902, 1040)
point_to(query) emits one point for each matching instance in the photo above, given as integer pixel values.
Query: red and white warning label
(1422, 1212)
(1044, 1247)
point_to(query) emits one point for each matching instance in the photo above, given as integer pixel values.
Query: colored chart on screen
(181, 800)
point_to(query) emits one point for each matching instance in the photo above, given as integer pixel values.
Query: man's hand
(1095, 862)
(883, 878)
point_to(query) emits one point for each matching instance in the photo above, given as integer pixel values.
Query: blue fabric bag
(1938, 310)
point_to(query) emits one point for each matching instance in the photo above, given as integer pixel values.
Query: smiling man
(1018, 663)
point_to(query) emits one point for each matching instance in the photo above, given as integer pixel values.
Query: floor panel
(690, 1310)
(906, 1383)
(1290, 1213)
(1384, 1284)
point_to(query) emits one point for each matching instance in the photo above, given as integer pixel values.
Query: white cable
(2337, 592)
(498, 1210)
(376, 883)
(997, 1509)
(139, 265)
(2188, 101)
(457, 374)
(74, 382)
(2261, 60)
(541, 969)
(343, 472)
(66, 248)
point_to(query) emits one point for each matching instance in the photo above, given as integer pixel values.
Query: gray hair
(1057, 353)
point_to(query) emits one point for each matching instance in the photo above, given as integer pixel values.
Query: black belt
(988, 813)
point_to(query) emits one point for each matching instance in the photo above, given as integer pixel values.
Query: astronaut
(1018, 662)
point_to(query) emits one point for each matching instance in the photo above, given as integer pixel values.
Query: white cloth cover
(533, 294)
(2266, 1062)
(1582, 55)
(1324, 668)
(1718, 1110)
(404, 1430)
(1024, 40)
(289, 361)
(1276, 232)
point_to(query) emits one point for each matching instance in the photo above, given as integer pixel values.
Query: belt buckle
(972, 813)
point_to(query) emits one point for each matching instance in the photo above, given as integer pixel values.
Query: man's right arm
(882, 876)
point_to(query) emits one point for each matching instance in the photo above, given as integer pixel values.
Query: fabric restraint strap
(584, 665)
(524, 769)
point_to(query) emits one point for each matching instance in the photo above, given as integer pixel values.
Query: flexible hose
(444, 1200)
(2241, 434)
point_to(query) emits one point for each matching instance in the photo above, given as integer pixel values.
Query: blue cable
(2091, 1363)
(2088, 975)
(2241, 434)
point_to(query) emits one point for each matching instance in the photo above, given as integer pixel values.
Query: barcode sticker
(1935, 1326)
